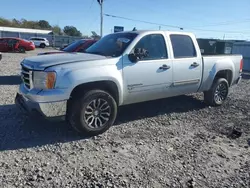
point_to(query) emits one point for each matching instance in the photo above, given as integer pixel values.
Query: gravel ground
(177, 142)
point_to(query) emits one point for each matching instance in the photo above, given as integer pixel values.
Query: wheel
(21, 49)
(42, 45)
(218, 92)
(92, 114)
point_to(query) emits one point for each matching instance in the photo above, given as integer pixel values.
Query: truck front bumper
(48, 110)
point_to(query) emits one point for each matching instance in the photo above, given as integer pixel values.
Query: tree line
(40, 24)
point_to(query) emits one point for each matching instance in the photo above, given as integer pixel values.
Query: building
(243, 48)
(23, 33)
(18, 32)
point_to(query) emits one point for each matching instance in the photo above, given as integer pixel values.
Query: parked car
(120, 69)
(76, 46)
(16, 45)
(40, 42)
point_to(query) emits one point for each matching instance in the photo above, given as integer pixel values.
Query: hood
(43, 61)
(56, 52)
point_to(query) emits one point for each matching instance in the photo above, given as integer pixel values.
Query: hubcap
(220, 93)
(97, 113)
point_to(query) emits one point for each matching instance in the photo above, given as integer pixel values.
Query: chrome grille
(26, 76)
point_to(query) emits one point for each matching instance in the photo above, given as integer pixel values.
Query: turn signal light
(50, 80)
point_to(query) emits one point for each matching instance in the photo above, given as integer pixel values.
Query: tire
(42, 45)
(218, 93)
(86, 121)
(21, 49)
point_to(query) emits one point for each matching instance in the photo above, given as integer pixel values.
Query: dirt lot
(177, 142)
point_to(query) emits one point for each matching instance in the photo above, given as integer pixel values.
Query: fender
(224, 64)
(70, 78)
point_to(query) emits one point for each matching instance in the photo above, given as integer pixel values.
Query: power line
(218, 31)
(226, 23)
(90, 23)
(142, 21)
(172, 26)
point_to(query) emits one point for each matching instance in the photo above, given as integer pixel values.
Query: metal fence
(243, 48)
(54, 40)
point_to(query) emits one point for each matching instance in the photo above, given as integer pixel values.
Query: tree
(43, 24)
(15, 23)
(57, 30)
(72, 31)
(5, 22)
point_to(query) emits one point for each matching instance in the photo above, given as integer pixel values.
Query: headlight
(44, 80)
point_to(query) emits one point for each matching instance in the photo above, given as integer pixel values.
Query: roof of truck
(157, 31)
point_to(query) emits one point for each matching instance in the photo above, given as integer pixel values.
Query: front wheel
(92, 114)
(218, 92)
(42, 45)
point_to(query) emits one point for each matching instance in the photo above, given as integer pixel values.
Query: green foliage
(72, 31)
(4, 22)
(44, 24)
(57, 30)
(41, 24)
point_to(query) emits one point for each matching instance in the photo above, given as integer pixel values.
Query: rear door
(3, 45)
(187, 64)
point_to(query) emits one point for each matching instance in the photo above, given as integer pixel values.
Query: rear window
(25, 40)
(183, 46)
(74, 45)
(38, 39)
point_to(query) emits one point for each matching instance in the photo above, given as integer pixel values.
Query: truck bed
(213, 63)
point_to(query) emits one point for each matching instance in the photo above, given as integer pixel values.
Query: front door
(187, 65)
(150, 77)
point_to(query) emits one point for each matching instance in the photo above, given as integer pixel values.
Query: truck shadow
(10, 80)
(149, 109)
(19, 131)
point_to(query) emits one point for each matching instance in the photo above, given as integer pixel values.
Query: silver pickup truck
(120, 69)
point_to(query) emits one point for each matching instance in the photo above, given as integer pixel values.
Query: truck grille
(26, 76)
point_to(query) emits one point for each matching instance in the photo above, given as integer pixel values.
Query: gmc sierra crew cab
(120, 69)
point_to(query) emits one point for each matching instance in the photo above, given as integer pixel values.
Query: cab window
(155, 46)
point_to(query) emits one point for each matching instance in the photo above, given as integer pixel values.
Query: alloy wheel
(97, 113)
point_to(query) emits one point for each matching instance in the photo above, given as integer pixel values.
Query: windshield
(73, 46)
(112, 45)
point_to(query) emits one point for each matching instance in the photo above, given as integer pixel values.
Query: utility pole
(101, 6)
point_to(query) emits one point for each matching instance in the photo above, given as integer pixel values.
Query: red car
(15, 45)
(77, 46)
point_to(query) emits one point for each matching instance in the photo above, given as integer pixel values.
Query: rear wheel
(42, 45)
(21, 49)
(218, 92)
(92, 114)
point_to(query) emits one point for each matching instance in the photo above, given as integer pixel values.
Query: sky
(229, 19)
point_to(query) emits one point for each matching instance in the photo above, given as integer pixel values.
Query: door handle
(194, 64)
(164, 67)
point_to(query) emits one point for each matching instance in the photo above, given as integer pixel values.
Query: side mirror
(133, 58)
(138, 54)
